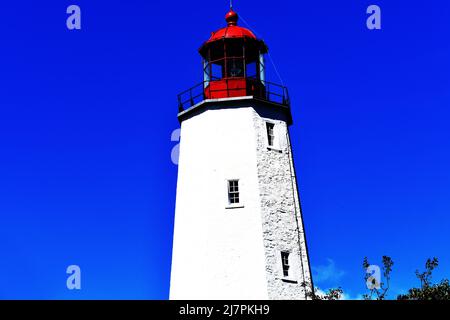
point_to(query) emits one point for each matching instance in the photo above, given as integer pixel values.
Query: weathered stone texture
(281, 216)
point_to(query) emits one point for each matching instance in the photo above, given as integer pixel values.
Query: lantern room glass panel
(235, 67)
(217, 70)
(262, 69)
(206, 73)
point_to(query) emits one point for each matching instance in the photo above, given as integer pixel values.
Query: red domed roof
(232, 30)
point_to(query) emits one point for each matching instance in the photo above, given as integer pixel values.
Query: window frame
(236, 193)
(285, 266)
(270, 126)
(233, 192)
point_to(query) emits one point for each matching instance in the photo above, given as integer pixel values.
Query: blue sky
(86, 175)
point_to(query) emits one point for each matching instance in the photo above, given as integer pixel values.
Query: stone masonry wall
(281, 216)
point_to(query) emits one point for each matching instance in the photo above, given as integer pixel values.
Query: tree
(376, 287)
(331, 294)
(427, 290)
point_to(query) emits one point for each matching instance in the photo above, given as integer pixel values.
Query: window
(270, 134)
(262, 72)
(216, 71)
(251, 70)
(206, 73)
(285, 263)
(233, 191)
(235, 68)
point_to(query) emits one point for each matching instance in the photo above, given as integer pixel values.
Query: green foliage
(427, 290)
(378, 290)
(331, 294)
(425, 277)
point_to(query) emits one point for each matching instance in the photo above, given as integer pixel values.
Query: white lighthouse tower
(238, 224)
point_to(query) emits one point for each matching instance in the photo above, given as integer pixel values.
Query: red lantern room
(233, 66)
(233, 62)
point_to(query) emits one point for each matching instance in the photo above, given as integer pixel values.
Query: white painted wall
(218, 253)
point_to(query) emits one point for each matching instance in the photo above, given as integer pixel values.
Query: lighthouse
(238, 230)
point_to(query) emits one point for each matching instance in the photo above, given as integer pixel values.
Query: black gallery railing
(267, 91)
